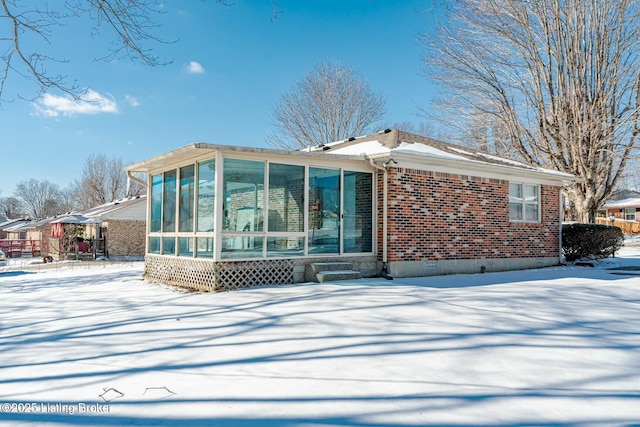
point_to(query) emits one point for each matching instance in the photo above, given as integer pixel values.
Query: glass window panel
(185, 246)
(324, 210)
(187, 195)
(285, 246)
(206, 195)
(515, 211)
(169, 202)
(156, 203)
(204, 248)
(530, 193)
(515, 192)
(358, 211)
(630, 214)
(169, 245)
(531, 212)
(244, 195)
(286, 198)
(524, 202)
(236, 247)
(154, 245)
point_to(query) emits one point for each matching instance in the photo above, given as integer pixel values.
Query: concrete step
(336, 275)
(329, 266)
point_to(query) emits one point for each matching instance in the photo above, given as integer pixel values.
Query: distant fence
(15, 248)
(627, 227)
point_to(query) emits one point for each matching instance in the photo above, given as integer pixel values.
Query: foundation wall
(208, 276)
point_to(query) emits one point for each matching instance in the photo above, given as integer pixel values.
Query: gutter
(130, 178)
(383, 272)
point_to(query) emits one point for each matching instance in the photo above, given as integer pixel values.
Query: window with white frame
(630, 214)
(524, 202)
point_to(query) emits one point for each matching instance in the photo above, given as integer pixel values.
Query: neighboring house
(122, 225)
(25, 238)
(12, 236)
(391, 203)
(114, 230)
(9, 223)
(16, 230)
(622, 209)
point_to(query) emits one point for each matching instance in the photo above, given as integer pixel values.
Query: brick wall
(125, 238)
(437, 216)
(286, 205)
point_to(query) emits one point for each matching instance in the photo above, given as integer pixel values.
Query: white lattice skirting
(209, 276)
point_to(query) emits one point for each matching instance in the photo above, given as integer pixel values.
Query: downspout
(561, 259)
(383, 272)
(134, 179)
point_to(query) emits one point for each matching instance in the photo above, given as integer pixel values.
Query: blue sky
(231, 64)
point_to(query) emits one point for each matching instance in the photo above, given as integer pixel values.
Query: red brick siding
(438, 216)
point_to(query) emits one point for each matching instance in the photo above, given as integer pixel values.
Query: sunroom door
(324, 211)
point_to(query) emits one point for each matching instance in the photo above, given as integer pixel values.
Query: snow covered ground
(99, 346)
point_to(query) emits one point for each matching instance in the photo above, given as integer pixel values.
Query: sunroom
(221, 217)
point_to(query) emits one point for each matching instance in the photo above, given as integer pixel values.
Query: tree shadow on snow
(100, 328)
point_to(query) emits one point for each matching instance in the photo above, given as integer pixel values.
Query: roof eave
(469, 167)
(197, 150)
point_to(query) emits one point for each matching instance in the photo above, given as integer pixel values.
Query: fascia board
(483, 170)
(193, 152)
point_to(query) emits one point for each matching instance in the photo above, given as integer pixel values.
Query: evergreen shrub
(590, 240)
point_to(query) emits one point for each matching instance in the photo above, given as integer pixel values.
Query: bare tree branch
(11, 207)
(39, 198)
(330, 103)
(561, 77)
(102, 180)
(131, 22)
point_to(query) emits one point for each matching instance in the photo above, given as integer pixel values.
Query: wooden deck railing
(627, 227)
(14, 248)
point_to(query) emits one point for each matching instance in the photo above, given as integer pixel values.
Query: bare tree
(11, 207)
(561, 77)
(130, 22)
(631, 178)
(332, 102)
(40, 198)
(102, 180)
(423, 128)
(67, 199)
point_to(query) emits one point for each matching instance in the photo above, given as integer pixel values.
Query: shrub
(590, 240)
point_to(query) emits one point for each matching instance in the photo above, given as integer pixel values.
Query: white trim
(195, 152)
(482, 170)
(633, 211)
(218, 215)
(306, 203)
(341, 212)
(524, 203)
(560, 221)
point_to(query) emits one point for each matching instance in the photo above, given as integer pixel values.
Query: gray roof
(623, 198)
(10, 223)
(108, 208)
(395, 143)
(390, 143)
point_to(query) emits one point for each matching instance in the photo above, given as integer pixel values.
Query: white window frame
(523, 203)
(630, 214)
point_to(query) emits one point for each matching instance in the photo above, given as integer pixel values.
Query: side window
(630, 214)
(524, 202)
